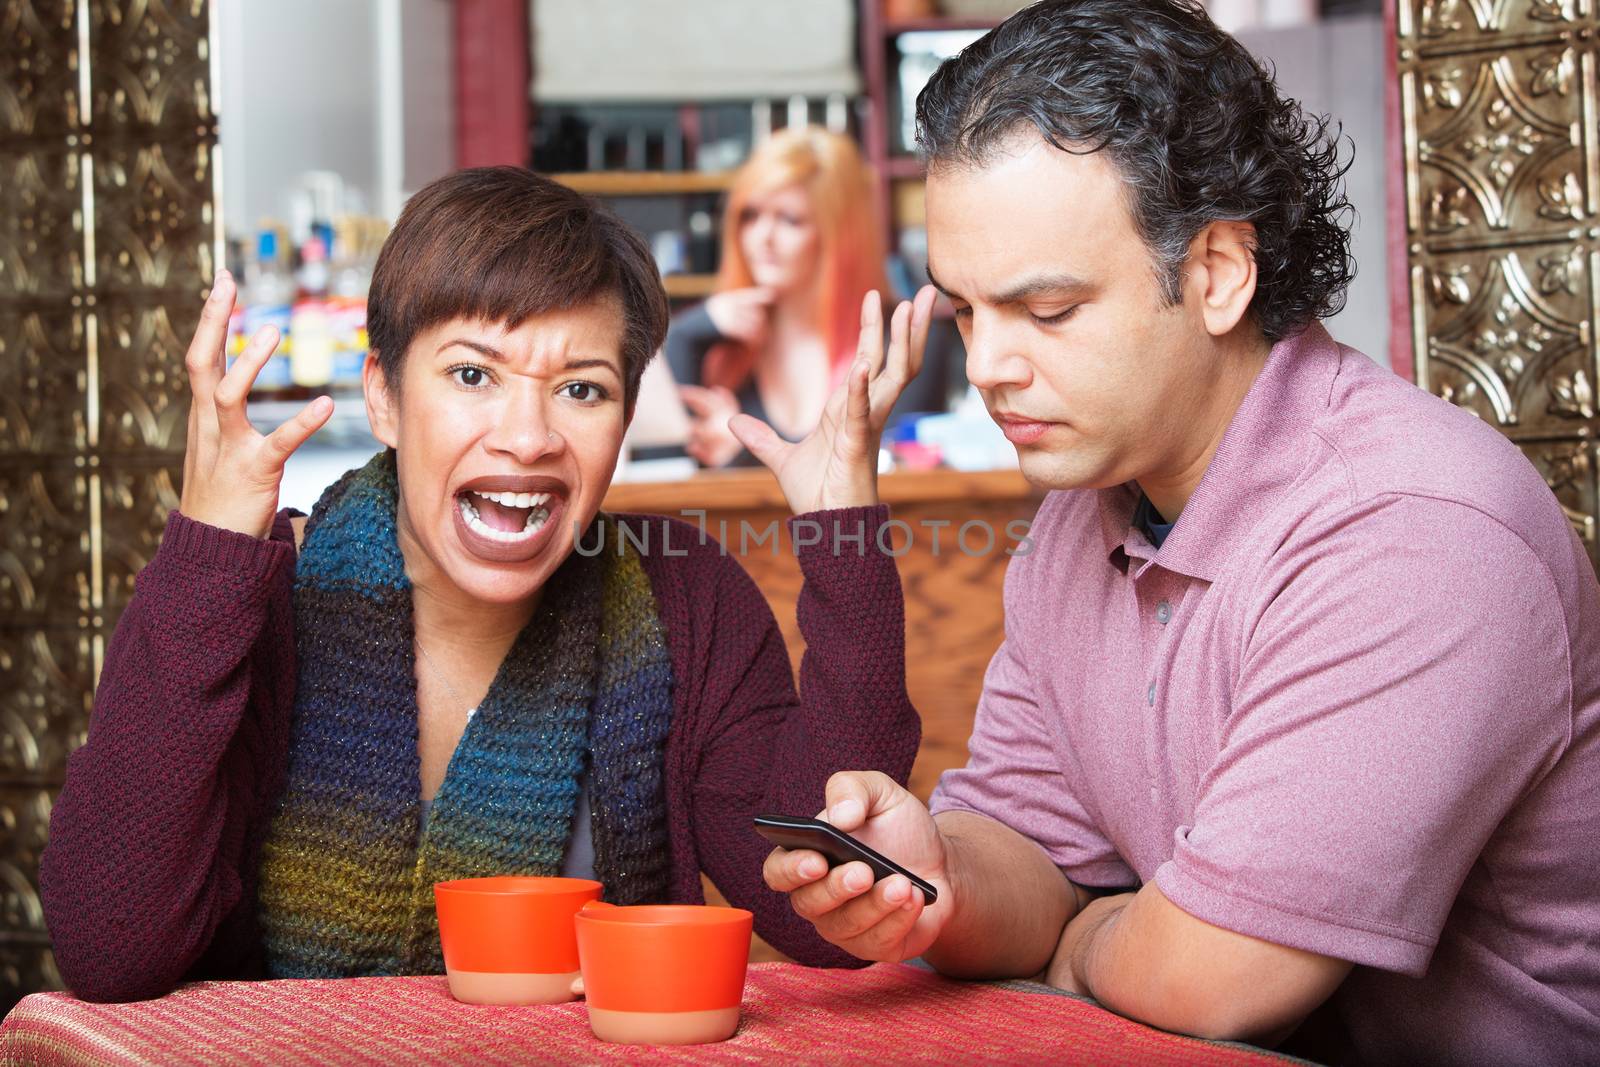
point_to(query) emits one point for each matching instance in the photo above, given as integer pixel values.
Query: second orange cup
(663, 974)
(510, 939)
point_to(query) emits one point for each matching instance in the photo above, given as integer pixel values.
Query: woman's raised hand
(836, 465)
(231, 473)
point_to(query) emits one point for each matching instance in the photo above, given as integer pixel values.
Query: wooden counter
(953, 610)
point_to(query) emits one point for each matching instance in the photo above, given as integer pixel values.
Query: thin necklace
(437, 673)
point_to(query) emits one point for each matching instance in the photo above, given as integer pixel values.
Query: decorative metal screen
(107, 237)
(1502, 180)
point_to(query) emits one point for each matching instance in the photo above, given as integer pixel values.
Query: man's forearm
(1011, 902)
(1141, 956)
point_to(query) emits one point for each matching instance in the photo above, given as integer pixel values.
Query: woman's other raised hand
(836, 465)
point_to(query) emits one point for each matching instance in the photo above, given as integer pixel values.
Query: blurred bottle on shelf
(347, 307)
(266, 301)
(317, 300)
(310, 332)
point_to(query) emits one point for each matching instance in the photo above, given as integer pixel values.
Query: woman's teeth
(515, 500)
(536, 516)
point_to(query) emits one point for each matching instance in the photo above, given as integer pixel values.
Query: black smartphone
(838, 847)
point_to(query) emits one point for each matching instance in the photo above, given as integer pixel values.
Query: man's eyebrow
(1036, 285)
(1040, 285)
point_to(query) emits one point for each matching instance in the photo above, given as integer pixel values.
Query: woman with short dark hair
(303, 724)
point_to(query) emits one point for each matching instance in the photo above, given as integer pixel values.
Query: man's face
(1094, 377)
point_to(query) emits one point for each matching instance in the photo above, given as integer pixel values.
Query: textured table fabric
(883, 1015)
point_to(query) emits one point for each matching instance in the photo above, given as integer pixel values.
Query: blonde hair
(844, 206)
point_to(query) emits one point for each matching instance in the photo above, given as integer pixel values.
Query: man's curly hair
(1194, 123)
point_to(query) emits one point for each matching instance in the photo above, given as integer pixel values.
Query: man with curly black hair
(1296, 725)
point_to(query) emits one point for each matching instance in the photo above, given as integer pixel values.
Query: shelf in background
(936, 24)
(645, 183)
(688, 286)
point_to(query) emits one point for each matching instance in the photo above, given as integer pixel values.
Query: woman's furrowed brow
(581, 363)
(487, 351)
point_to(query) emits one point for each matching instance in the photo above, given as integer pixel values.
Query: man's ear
(1222, 274)
(383, 412)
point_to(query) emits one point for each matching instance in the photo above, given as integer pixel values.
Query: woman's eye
(584, 392)
(470, 376)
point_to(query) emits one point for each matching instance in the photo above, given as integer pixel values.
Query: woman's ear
(383, 413)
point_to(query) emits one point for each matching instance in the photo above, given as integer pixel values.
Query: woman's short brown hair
(503, 244)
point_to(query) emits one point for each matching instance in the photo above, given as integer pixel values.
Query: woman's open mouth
(509, 519)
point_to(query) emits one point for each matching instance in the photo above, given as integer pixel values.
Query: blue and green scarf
(347, 869)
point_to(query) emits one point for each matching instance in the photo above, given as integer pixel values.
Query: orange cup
(663, 974)
(510, 940)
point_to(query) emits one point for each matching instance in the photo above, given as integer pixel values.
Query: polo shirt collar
(1263, 452)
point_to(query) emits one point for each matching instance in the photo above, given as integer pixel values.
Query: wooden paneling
(954, 619)
(954, 616)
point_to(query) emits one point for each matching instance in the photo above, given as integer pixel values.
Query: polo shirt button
(1163, 612)
(1151, 695)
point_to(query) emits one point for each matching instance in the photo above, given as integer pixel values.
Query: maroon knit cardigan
(149, 877)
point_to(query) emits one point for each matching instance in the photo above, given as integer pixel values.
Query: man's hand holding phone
(886, 921)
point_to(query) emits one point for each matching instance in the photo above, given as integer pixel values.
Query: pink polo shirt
(1352, 705)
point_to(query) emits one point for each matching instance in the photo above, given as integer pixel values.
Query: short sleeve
(1404, 682)
(1016, 773)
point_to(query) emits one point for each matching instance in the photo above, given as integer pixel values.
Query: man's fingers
(282, 442)
(762, 440)
(853, 796)
(205, 358)
(885, 939)
(826, 895)
(786, 870)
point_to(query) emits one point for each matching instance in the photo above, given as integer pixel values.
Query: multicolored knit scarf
(347, 872)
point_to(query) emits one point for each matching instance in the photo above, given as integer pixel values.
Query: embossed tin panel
(1502, 181)
(108, 239)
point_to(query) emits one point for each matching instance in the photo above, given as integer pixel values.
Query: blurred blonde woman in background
(802, 253)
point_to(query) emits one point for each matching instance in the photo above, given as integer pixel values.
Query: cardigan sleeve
(753, 745)
(149, 873)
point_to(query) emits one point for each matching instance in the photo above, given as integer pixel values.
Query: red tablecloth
(886, 1014)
